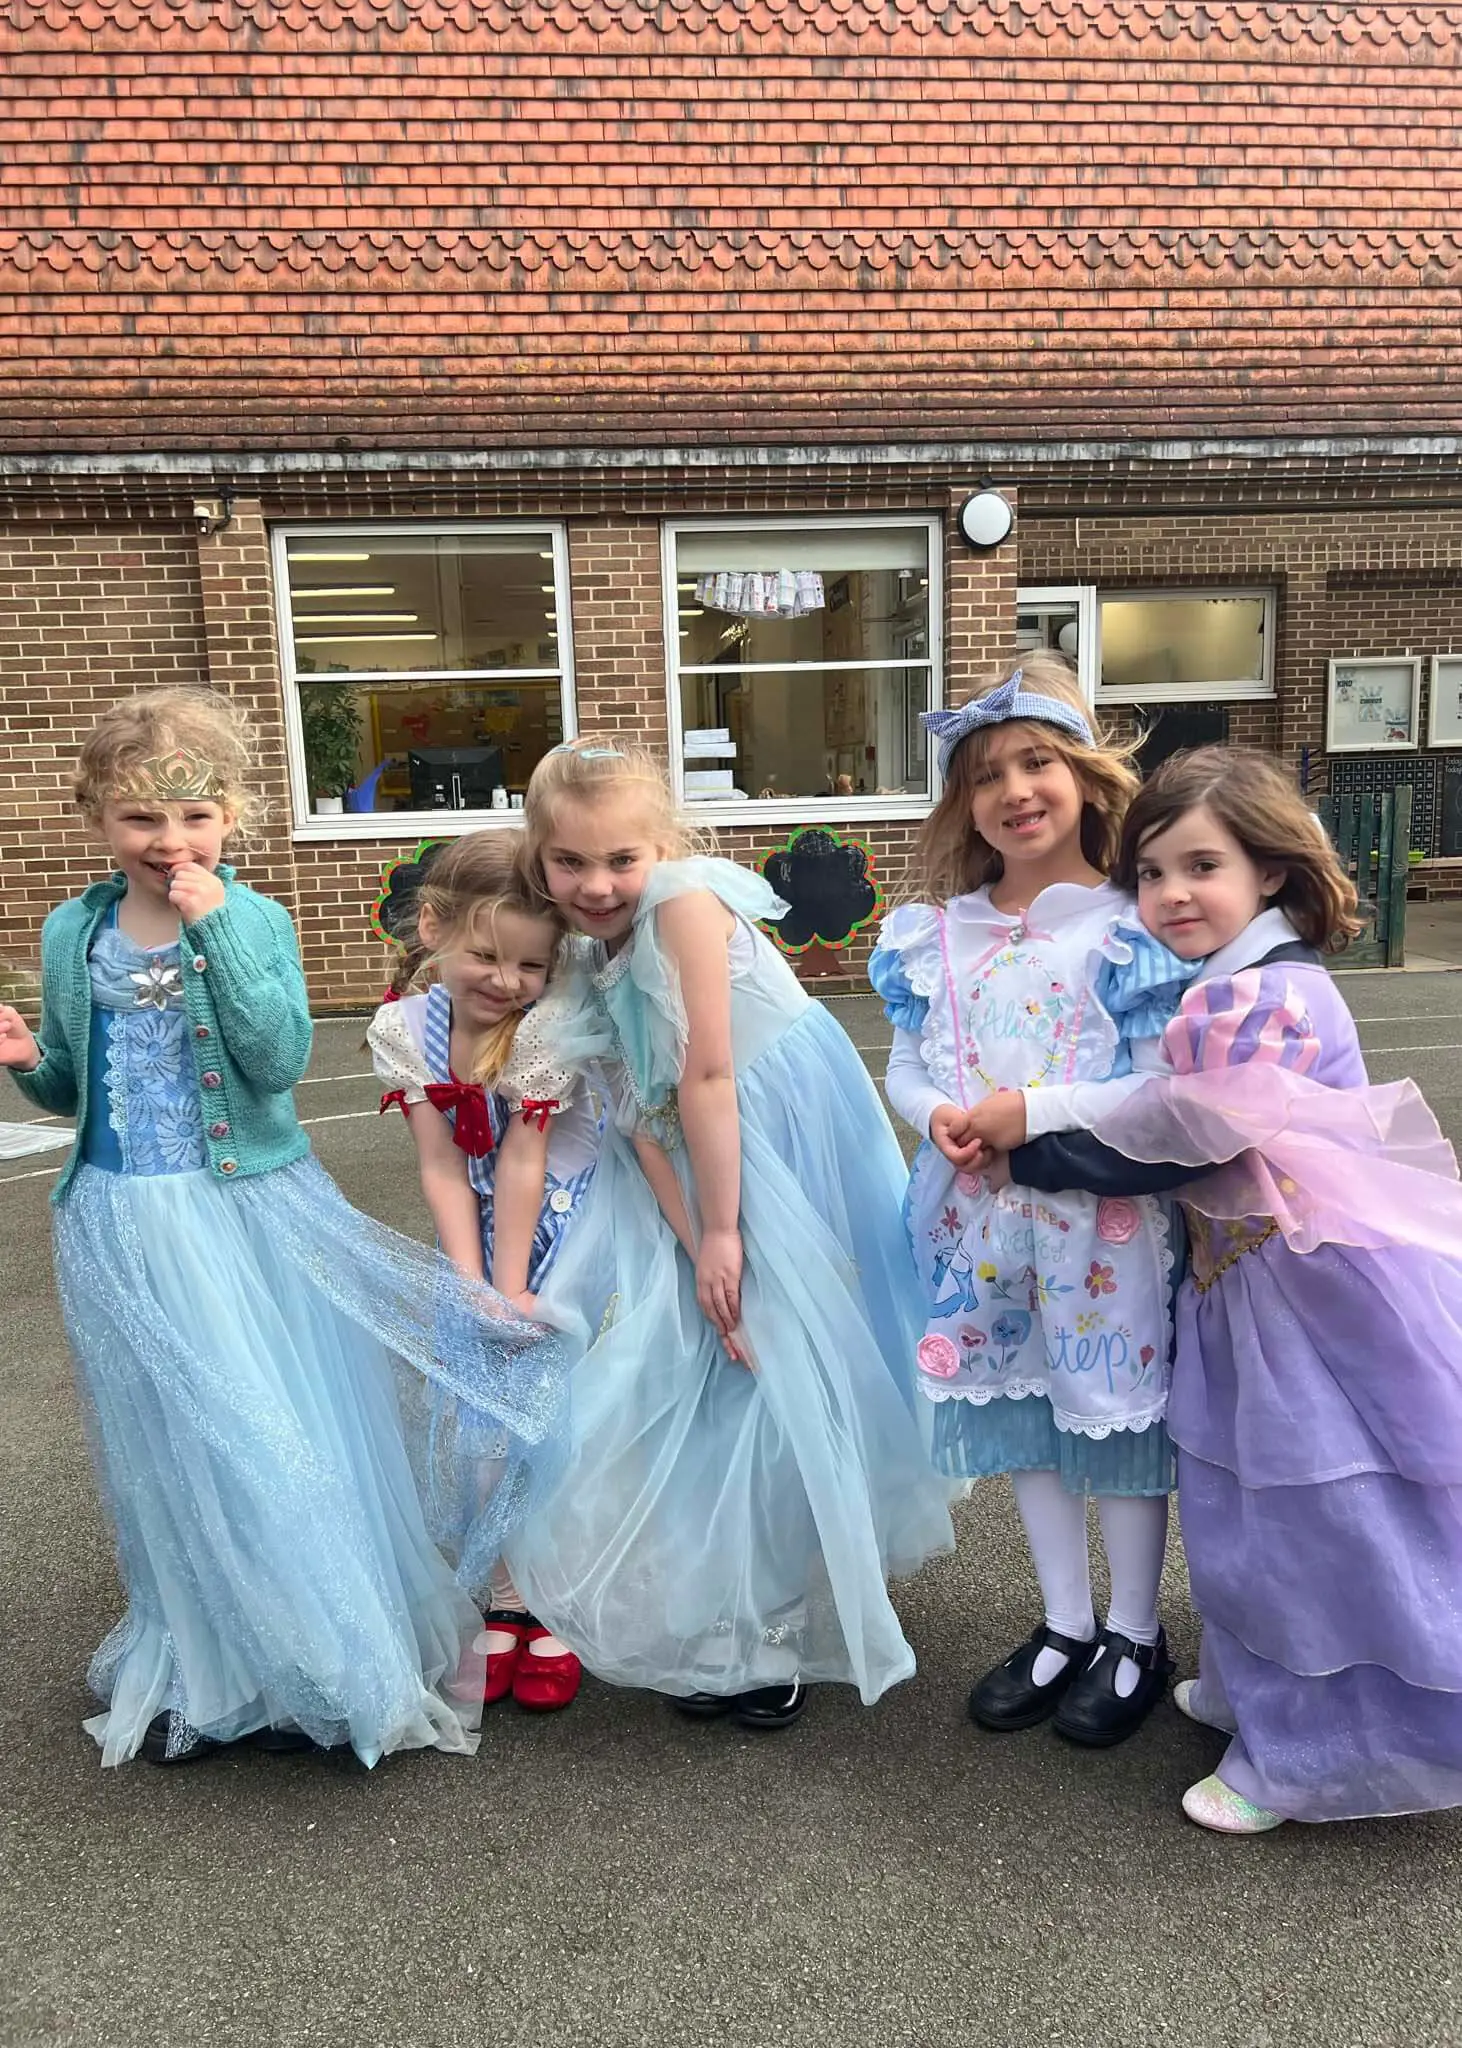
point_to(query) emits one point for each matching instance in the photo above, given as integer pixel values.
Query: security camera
(207, 516)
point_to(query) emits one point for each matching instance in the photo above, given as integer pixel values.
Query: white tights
(1134, 1536)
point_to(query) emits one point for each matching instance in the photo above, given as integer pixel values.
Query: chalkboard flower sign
(393, 914)
(830, 884)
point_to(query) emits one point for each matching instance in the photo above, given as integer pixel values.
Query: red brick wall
(87, 613)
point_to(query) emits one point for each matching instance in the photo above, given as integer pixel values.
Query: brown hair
(594, 766)
(146, 727)
(952, 858)
(470, 881)
(1253, 798)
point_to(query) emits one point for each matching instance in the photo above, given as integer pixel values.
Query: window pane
(364, 603)
(1170, 642)
(804, 732)
(427, 746)
(1054, 627)
(784, 613)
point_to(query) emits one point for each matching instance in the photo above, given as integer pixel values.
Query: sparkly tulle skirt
(719, 1528)
(238, 1349)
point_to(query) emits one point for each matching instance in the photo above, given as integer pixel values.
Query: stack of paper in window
(702, 784)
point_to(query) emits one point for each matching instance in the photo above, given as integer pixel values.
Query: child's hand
(997, 1171)
(18, 1044)
(949, 1132)
(999, 1121)
(193, 891)
(525, 1303)
(718, 1281)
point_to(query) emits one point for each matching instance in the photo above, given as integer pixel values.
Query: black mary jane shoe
(772, 1706)
(281, 1741)
(1008, 1697)
(704, 1706)
(1093, 1712)
(169, 1739)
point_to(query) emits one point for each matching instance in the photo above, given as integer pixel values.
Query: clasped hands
(981, 1139)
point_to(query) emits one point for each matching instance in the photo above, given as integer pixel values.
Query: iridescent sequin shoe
(1189, 1702)
(1217, 1806)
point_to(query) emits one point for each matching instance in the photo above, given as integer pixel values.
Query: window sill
(402, 825)
(809, 810)
(1187, 693)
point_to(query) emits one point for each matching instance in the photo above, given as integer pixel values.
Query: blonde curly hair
(151, 725)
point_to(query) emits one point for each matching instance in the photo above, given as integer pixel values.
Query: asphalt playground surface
(615, 1875)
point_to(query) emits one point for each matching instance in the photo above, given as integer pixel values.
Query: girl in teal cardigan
(233, 1319)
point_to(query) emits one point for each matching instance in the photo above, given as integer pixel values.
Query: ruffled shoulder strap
(643, 997)
(905, 965)
(750, 895)
(1139, 983)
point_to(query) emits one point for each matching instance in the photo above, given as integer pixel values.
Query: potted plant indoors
(330, 718)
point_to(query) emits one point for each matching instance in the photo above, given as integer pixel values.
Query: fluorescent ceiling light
(354, 639)
(361, 619)
(348, 590)
(330, 558)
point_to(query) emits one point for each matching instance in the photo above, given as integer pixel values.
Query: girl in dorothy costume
(1047, 1320)
(233, 1320)
(746, 1469)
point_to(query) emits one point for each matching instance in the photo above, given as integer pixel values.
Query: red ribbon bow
(538, 1112)
(467, 1100)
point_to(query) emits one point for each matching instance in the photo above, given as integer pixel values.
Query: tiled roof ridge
(1097, 248)
(1274, 23)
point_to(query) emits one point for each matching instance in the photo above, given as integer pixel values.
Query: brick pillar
(619, 637)
(1302, 670)
(242, 648)
(980, 607)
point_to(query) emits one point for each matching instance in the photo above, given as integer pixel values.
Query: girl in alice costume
(1047, 1320)
(1317, 1392)
(746, 1469)
(233, 1320)
(506, 1139)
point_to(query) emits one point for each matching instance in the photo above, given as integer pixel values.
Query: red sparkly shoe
(500, 1666)
(544, 1684)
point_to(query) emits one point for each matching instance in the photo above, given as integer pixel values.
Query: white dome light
(986, 519)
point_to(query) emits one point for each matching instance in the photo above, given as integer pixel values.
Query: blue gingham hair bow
(999, 707)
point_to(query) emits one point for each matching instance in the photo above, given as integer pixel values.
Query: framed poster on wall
(1373, 706)
(1444, 721)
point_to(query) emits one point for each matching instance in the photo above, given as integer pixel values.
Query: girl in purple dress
(1316, 1397)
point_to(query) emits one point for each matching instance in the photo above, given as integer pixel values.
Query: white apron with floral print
(1065, 1296)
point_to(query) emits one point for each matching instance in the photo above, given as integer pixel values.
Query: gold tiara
(179, 776)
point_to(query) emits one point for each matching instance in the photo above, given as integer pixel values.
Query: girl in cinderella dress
(1317, 1392)
(745, 1469)
(233, 1320)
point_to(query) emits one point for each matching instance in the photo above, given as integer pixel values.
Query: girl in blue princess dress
(1047, 1323)
(745, 1468)
(506, 1154)
(233, 1320)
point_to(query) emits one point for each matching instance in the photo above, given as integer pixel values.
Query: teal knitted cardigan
(248, 1017)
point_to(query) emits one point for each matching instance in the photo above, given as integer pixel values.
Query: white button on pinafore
(560, 1201)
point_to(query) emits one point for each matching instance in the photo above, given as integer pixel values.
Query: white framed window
(1061, 619)
(428, 667)
(1184, 646)
(800, 653)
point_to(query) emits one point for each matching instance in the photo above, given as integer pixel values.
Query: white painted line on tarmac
(1373, 1051)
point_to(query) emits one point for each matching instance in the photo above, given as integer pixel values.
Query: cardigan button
(560, 1201)
(201, 1031)
(211, 1080)
(199, 963)
(219, 1130)
(228, 1166)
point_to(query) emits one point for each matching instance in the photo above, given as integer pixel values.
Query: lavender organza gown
(1316, 1397)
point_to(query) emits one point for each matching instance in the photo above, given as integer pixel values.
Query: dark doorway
(1172, 727)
